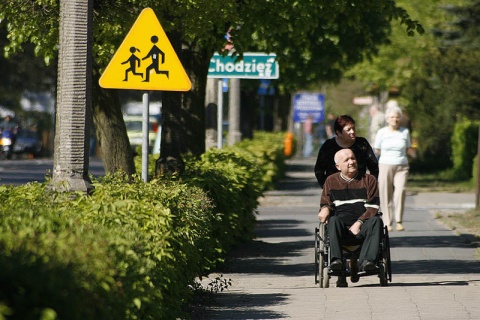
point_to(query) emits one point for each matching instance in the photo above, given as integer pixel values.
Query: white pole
(145, 131)
(220, 115)
(234, 134)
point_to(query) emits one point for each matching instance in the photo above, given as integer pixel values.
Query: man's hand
(355, 228)
(323, 214)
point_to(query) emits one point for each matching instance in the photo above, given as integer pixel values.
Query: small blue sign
(224, 85)
(308, 103)
(265, 88)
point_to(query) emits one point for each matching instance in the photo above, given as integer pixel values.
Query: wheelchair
(350, 251)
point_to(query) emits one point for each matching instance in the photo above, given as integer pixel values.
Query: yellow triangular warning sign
(146, 60)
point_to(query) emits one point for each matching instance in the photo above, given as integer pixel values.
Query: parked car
(28, 142)
(134, 130)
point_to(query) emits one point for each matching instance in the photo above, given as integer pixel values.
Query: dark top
(353, 199)
(325, 165)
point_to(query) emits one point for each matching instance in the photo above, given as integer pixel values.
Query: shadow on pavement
(260, 257)
(450, 241)
(298, 184)
(422, 284)
(300, 167)
(280, 228)
(435, 267)
(242, 306)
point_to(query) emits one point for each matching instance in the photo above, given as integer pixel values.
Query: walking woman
(391, 145)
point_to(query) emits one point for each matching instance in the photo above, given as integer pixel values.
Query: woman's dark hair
(342, 121)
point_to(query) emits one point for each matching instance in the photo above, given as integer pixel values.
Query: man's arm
(323, 214)
(326, 204)
(372, 205)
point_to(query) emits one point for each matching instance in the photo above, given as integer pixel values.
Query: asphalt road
(20, 171)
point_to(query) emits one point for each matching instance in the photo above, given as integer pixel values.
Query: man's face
(347, 163)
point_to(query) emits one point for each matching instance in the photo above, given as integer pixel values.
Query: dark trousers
(370, 232)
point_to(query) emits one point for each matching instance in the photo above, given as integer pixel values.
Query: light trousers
(307, 145)
(391, 187)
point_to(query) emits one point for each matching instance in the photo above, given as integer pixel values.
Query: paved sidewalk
(436, 274)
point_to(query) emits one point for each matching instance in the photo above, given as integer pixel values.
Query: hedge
(129, 250)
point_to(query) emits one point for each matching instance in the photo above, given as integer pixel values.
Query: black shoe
(368, 265)
(354, 271)
(342, 282)
(336, 265)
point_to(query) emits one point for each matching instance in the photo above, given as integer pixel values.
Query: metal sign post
(477, 194)
(220, 115)
(145, 135)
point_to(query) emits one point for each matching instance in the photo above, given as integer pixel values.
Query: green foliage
(323, 39)
(474, 179)
(130, 250)
(464, 147)
(52, 261)
(267, 148)
(435, 73)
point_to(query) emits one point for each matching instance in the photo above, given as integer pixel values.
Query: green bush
(464, 147)
(130, 250)
(53, 265)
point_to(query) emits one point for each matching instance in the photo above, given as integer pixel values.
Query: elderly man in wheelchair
(349, 211)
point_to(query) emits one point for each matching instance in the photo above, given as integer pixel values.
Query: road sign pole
(262, 112)
(477, 193)
(220, 114)
(234, 134)
(145, 129)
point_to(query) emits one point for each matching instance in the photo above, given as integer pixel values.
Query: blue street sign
(225, 85)
(308, 103)
(265, 88)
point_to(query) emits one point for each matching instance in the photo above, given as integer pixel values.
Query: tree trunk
(71, 146)
(196, 64)
(111, 132)
(183, 114)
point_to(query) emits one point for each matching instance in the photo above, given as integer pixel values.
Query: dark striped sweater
(353, 199)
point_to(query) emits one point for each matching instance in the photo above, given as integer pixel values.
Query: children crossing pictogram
(158, 68)
(154, 53)
(134, 62)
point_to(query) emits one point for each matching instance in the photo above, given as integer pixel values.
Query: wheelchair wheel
(383, 273)
(321, 269)
(318, 264)
(322, 236)
(386, 255)
(325, 283)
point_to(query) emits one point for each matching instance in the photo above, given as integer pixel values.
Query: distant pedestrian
(391, 144)
(377, 121)
(308, 136)
(329, 126)
(9, 125)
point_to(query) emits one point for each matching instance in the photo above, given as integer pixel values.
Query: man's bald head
(342, 154)
(346, 162)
